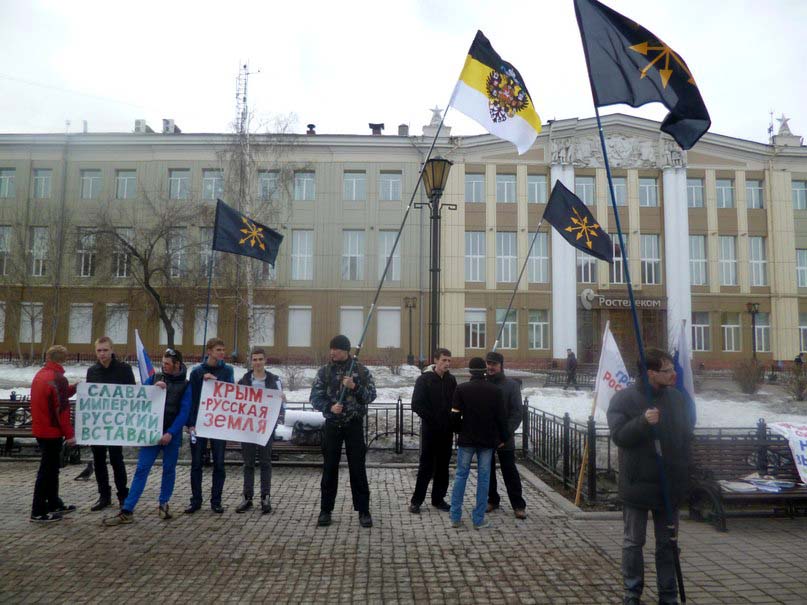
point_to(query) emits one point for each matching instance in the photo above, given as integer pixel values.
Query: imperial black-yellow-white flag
(492, 92)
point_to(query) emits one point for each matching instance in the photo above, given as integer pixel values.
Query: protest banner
(796, 435)
(611, 373)
(119, 414)
(237, 412)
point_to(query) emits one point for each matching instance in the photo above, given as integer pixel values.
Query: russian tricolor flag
(682, 360)
(143, 361)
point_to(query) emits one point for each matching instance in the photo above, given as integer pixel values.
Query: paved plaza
(554, 556)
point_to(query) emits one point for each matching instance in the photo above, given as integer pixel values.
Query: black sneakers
(192, 509)
(266, 508)
(245, 505)
(414, 509)
(64, 509)
(324, 519)
(100, 504)
(365, 520)
(45, 518)
(443, 506)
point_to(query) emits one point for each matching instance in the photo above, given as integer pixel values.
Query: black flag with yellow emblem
(235, 233)
(628, 64)
(574, 221)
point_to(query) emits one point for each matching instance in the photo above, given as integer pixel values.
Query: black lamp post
(410, 302)
(435, 175)
(753, 309)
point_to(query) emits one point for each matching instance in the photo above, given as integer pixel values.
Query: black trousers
(352, 434)
(435, 456)
(512, 480)
(118, 470)
(46, 488)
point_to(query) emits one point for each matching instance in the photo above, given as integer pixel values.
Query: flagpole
(207, 306)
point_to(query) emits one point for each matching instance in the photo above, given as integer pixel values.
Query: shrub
(796, 383)
(390, 358)
(294, 376)
(749, 374)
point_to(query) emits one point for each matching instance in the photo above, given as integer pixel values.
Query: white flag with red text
(611, 374)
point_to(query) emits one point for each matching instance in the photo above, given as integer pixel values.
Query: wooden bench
(557, 378)
(15, 421)
(280, 448)
(729, 458)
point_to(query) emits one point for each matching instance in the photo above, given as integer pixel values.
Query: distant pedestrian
(571, 369)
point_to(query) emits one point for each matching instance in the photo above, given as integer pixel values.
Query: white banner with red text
(237, 412)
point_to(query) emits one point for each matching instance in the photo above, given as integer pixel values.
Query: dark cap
(495, 357)
(476, 364)
(340, 342)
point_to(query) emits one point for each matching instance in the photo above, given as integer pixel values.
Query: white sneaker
(483, 525)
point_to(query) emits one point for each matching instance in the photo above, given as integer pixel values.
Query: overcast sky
(343, 64)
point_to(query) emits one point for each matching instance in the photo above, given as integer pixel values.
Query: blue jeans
(145, 460)
(197, 453)
(464, 457)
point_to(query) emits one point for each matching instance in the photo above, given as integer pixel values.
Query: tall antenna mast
(241, 121)
(770, 128)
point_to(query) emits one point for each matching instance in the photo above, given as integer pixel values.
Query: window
(302, 254)
(299, 326)
(117, 323)
(30, 322)
(475, 328)
(695, 193)
(389, 186)
(268, 185)
(700, 331)
(731, 332)
(536, 189)
(386, 239)
(584, 189)
(538, 329)
(620, 190)
(121, 259)
(199, 334)
(355, 186)
(5, 248)
(352, 255)
(475, 256)
(758, 260)
(763, 332)
(179, 184)
(212, 184)
(389, 327)
(125, 184)
(648, 193)
(538, 267)
(753, 194)
(801, 270)
(42, 183)
(725, 193)
(618, 266)
(728, 261)
(799, 191)
(90, 184)
(651, 259)
(176, 315)
(39, 251)
(586, 268)
(264, 329)
(175, 249)
(802, 331)
(7, 187)
(506, 256)
(351, 322)
(474, 188)
(698, 267)
(305, 188)
(509, 339)
(207, 255)
(85, 249)
(505, 188)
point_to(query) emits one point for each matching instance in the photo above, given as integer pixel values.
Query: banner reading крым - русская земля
(119, 414)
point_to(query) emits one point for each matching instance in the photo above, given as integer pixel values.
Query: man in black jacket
(108, 370)
(636, 423)
(511, 392)
(571, 369)
(431, 400)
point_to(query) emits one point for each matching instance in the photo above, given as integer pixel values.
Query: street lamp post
(753, 309)
(410, 302)
(435, 176)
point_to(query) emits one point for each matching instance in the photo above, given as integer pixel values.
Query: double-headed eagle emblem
(506, 94)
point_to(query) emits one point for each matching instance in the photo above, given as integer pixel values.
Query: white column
(676, 250)
(564, 279)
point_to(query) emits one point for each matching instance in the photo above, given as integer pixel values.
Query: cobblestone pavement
(550, 557)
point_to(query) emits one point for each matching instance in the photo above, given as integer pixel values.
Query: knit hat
(340, 342)
(477, 364)
(495, 357)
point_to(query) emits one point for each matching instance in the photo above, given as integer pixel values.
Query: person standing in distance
(571, 369)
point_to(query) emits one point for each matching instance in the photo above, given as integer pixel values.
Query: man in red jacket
(50, 419)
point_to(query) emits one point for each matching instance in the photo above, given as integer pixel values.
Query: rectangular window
(264, 318)
(177, 316)
(801, 270)
(206, 253)
(302, 254)
(538, 329)
(385, 241)
(538, 267)
(695, 193)
(536, 189)
(651, 259)
(5, 248)
(42, 183)
(475, 256)
(621, 190)
(85, 253)
(39, 251)
(352, 255)
(759, 261)
(80, 324)
(509, 338)
(351, 322)
(506, 188)
(121, 258)
(299, 326)
(199, 334)
(701, 340)
(125, 184)
(698, 267)
(175, 243)
(802, 331)
(648, 193)
(389, 328)
(117, 323)
(763, 332)
(355, 186)
(728, 260)
(268, 185)
(753, 194)
(90, 184)
(586, 268)
(179, 184)
(212, 184)
(584, 189)
(475, 328)
(30, 322)
(799, 192)
(730, 325)
(474, 188)
(389, 186)
(506, 257)
(305, 186)
(7, 186)
(725, 193)
(618, 266)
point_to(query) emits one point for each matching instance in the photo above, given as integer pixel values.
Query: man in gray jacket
(511, 391)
